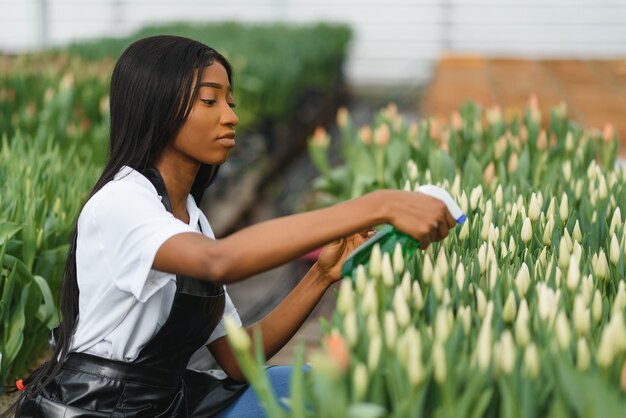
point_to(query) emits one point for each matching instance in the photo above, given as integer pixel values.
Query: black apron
(157, 383)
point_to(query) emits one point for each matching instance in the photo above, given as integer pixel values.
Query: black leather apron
(157, 383)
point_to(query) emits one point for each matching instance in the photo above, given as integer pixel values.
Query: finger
(450, 221)
(443, 230)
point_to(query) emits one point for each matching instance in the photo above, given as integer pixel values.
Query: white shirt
(123, 301)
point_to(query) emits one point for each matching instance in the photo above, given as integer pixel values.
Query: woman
(143, 287)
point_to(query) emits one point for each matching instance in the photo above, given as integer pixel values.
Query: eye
(232, 105)
(210, 102)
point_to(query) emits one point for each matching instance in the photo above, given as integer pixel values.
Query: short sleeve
(229, 310)
(132, 224)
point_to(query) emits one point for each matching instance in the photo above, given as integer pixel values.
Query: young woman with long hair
(144, 280)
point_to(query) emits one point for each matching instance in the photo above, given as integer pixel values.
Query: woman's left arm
(281, 324)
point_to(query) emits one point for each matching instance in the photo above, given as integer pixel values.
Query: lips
(228, 140)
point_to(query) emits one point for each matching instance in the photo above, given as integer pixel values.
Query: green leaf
(8, 230)
(46, 312)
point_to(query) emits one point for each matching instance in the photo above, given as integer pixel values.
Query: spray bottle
(388, 236)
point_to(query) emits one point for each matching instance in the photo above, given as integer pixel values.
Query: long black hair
(152, 93)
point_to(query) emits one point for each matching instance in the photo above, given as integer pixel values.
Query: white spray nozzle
(444, 196)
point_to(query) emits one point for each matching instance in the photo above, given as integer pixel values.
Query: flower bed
(518, 313)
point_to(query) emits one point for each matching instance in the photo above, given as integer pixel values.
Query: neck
(178, 177)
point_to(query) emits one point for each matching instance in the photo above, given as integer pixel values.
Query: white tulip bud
(596, 307)
(522, 333)
(475, 196)
(345, 299)
(527, 231)
(376, 260)
(418, 297)
(581, 316)
(614, 251)
(455, 190)
(617, 332)
(551, 208)
(442, 261)
(484, 231)
(568, 239)
(564, 208)
(564, 255)
(616, 221)
(398, 259)
(464, 231)
(437, 284)
(509, 309)
(512, 245)
(547, 232)
(587, 289)
(577, 233)
(601, 268)
(603, 191)
(583, 358)
(578, 251)
(463, 203)
(238, 338)
(547, 302)
(578, 189)
(605, 353)
(360, 381)
(503, 250)
(522, 280)
(400, 308)
(351, 329)
(460, 276)
(531, 361)
(513, 215)
(567, 171)
(499, 196)
(482, 258)
(573, 274)
(442, 326)
(391, 330)
(427, 270)
(439, 363)
(373, 326)
(387, 271)
(506, 352)
(369, 303)
(563, 332)
(373, 353)
(361, 279)
(407, 186)
(533, 208)
(465, 316)
(543, 257)
(493, 275)
(415, 366)
(481, 303)
(591, 170)
(412, 170)
(619, 302)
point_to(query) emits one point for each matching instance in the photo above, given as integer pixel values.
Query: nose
(229, 117)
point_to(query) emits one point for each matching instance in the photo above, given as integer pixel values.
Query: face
(208, 134)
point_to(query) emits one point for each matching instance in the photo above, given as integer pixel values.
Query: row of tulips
(518, 313)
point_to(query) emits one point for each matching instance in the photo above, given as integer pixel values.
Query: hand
(333, 255)
(424, 217)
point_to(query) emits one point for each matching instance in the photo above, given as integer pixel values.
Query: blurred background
(297, 62)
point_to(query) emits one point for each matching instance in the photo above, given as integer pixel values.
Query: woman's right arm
(269, 244)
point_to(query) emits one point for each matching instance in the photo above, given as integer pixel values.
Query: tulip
(563, 332)
(418, 298)
(506, 355)
(412, 170)
(581, 316)
(373, 353)
(345, 299)
(400, 308)
(605, 353)
(382, 135)
(587, 289)
(527, 231)
(442, 261)
(615, 251)
(522, 280)
(463, 203)
(465, 316)
(337, 350)
(387, 271)
(415, 367)
(573, 274)
(427, 270)
(543, 257)
(602, 188)
(533, 208)
(619, 302)
(464, 231)
(460, 276)
(601, 267)
(455, 190)
(583, 358)
(398, 259)
(596, 307)
(617, 332)
(481, 303)
(483, 344)
(373, 326)
(513, 162)
(360, 381)
(351, 328)
(564, 208)
(405, 285)
(547, 232)
(482, 258)
(437, 284)
(475, 196)
(365, 134)
(320, 138)
(522, 333)
(513, 215)
(616, 221)
(512, 245)
(238, 338)
(567, 171)
(499, 196)
(503, 250)
(551, 208)
(569, 142)
(361, 279)
(439, 363)
(591, 170)
(578, 251)
(564, 255)
(376, 260)
(578, 189)
(509, 309)
(391, 330)
(531, 361)
(369, 303)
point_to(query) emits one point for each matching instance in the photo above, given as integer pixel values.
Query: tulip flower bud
(415, 365)
(619, 302)
(345, 300)
(387, 271)
(567, 171)
(398, 259)
(522, 280)
(531, 361)
(382, 135)
(483, 346)
(320, 138)
(369, 303)
(411, 167)
(603, 191)
(400, 308)
(616, 221)
(596, 307)
(581, 316)
(499, 196)
(465, 316)
(439, 363)
(578, 189)
(564, 255)
(578, 251)
(547, 232)
(577, 233)
(437, 284)
(591, 170)
(407, 186)
(373, 352)
(503, 250)
(460, 276)
(484, 231)
(405, 285)
(455, 190)
(533, 209)
(583, 357)
(365, 134)
(350, 328)
(506, 355)
(513, 215)
(373, 326)
(442, 261)
(427, 270)
(551, 208)
(482, 258)
(563, 332)
(573, 274)
(617, 332)
(464, 231)
(601, 268)
(564, 208)
(361, 279)
(512, 245)
(522, 333)
(463, 203)
(481, 303)
(418, 297)
(615, 250)
(605, 353)
(376, 260)
(527, 231)
(391, 330)
(360, 381)
(237, 336)
(475, 196)
(509, 309)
